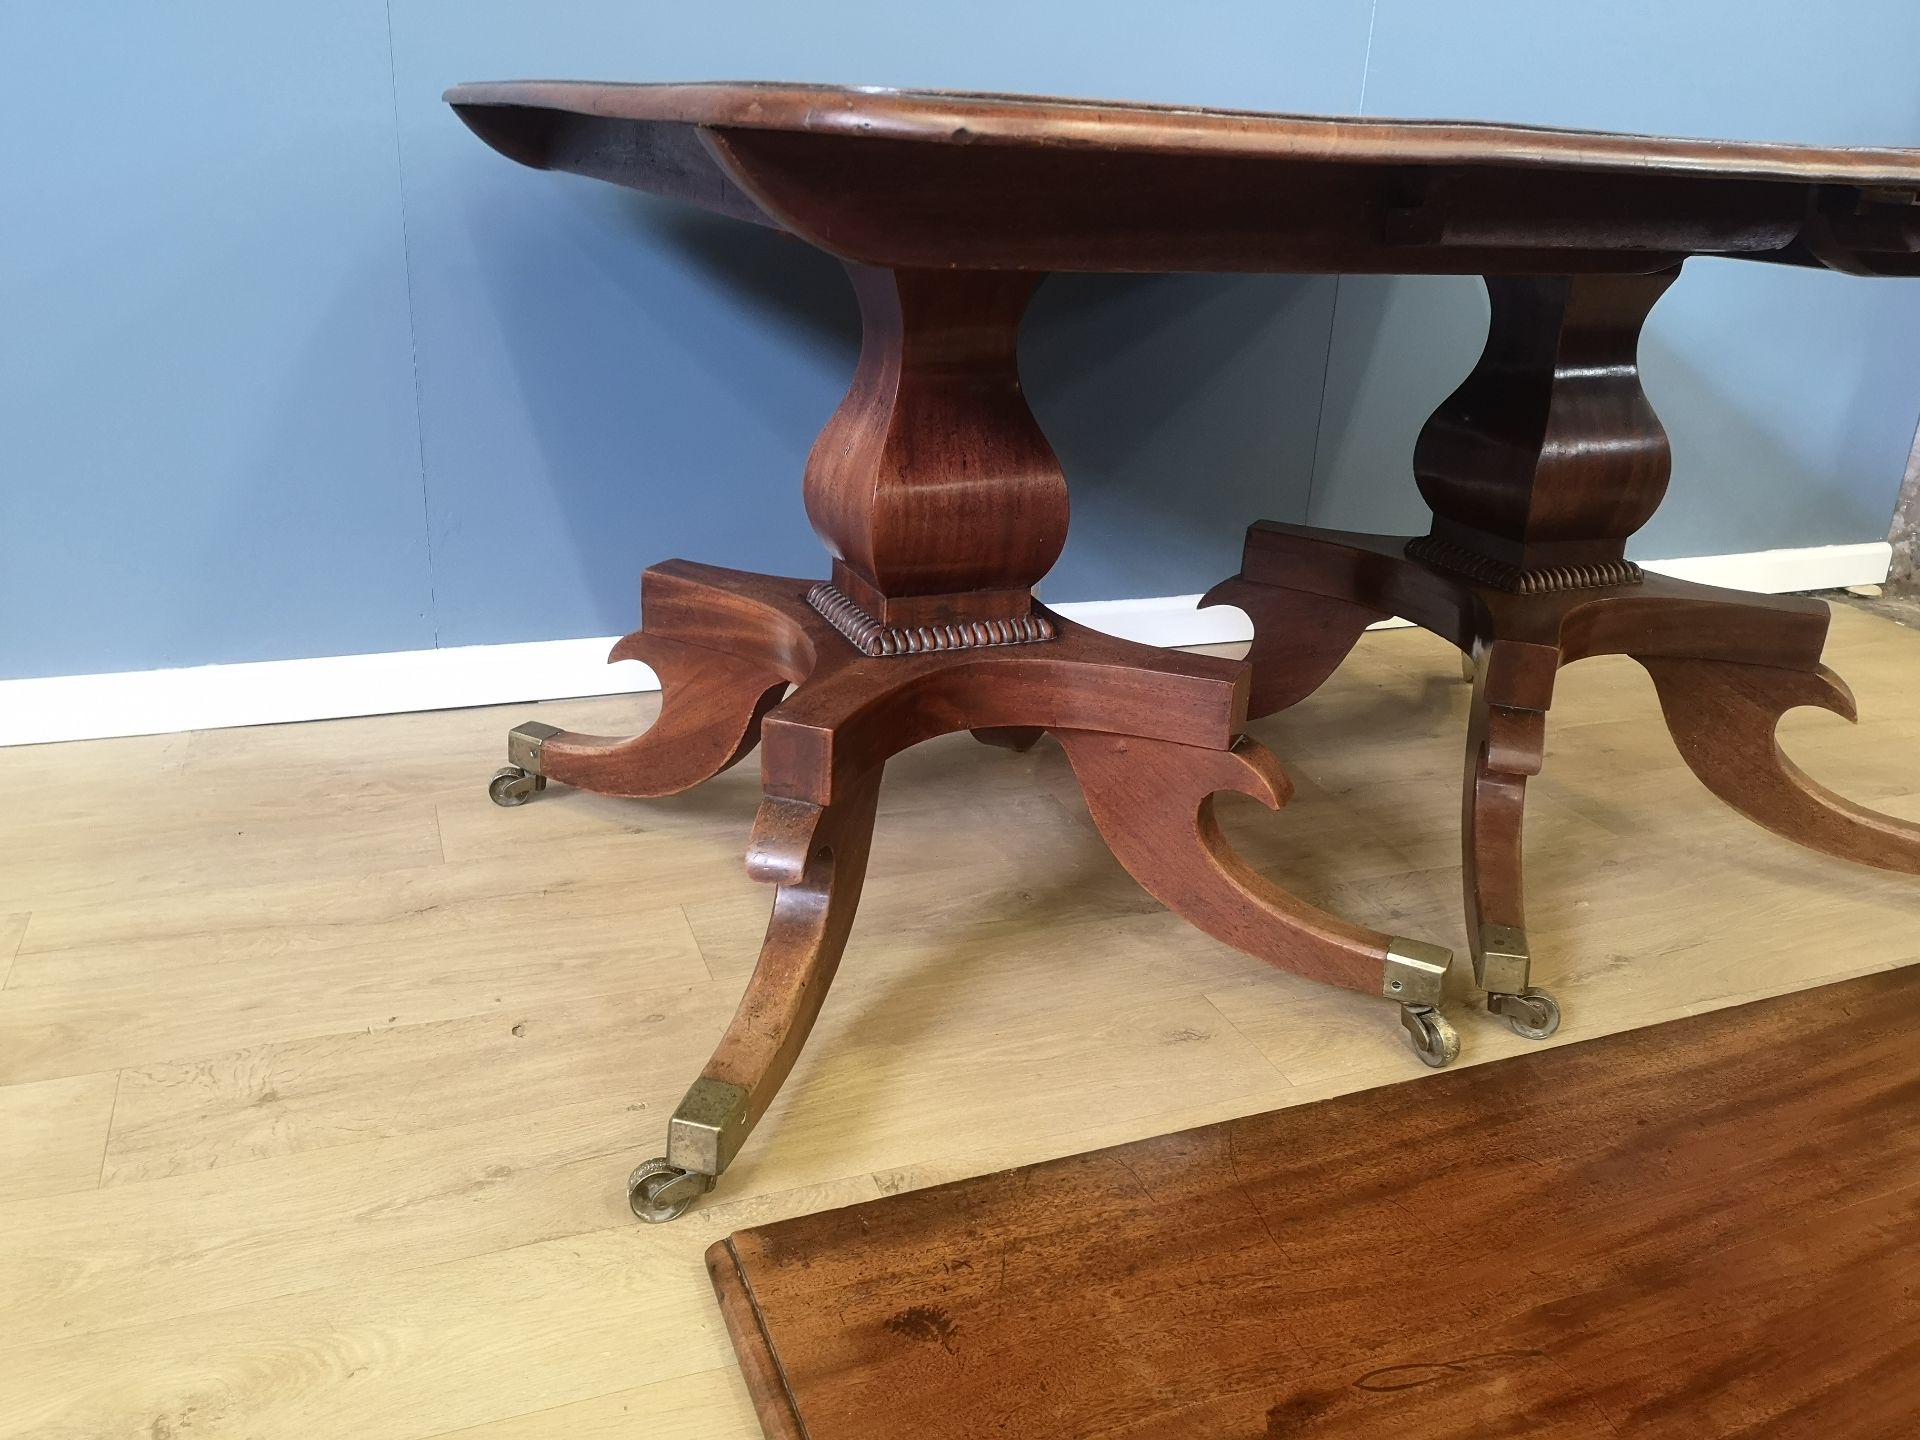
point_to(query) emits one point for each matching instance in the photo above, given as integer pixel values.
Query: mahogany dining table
(941, 505)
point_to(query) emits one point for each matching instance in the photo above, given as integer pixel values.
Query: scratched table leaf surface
(1705, 1228)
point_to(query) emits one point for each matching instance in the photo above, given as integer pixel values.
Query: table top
(956, 117)
(1699, 1229)
(937, 177)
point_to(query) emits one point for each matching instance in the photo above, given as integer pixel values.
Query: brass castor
(659, 1190)
(1435, 1040)
(512, 786)
(1531, 1013)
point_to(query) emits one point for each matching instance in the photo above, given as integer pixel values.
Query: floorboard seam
(19, 944)
(106, 1145)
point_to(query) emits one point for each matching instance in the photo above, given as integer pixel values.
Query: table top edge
(966, 118)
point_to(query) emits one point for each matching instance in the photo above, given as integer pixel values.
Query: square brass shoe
(1501, 961)
(1416, 971)
(706, 1132)
(524, 743)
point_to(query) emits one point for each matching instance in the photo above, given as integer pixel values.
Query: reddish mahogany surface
(1538, 470)
(904, 178)
(941, 503)
(1697, 1230)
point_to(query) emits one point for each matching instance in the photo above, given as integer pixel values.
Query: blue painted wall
(291, 365)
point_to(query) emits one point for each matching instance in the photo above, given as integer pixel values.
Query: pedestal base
(1726, 665)
(1151, 734)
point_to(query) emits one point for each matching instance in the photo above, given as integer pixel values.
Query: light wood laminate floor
(320, 1075)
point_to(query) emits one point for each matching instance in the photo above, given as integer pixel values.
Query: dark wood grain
(771, 1402)
(817, 857)
(959, 119)
(1703, 1229)
(1153, 802)
(929, 179)
(711, 706)
(1152, 735)
(1549, 457)
(932, 486)
(942, 505)
(1506, 746)
(1723, 717)
(1538, 470)
(1727, 665)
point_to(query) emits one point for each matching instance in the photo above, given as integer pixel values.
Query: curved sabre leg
(1722, 715)
(710, 711)
(1153, 803)
(817, 855)
(1505, 746)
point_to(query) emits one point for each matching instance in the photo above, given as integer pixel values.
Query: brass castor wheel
(1435, 1040)
(1532, 1013)
(513, 786)
(659, 1190)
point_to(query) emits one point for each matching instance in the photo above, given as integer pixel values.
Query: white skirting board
(211, 697)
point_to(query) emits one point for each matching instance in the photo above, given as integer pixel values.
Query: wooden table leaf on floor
(941, 504)
(1697, 1229)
